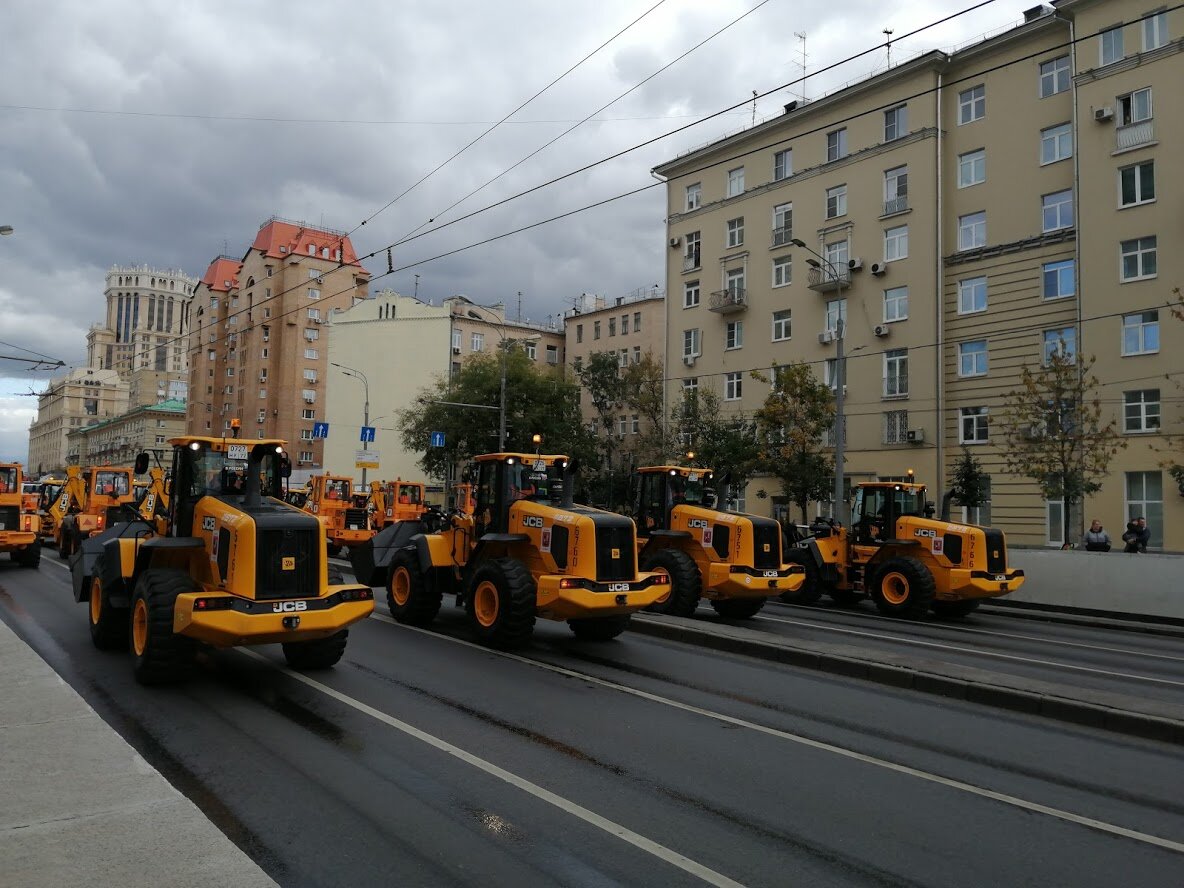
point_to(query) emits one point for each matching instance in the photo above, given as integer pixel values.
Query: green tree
(603, 478)
(645, 395)
(1053, 431)
(969, 484)
(790, 426)
(726, 444)
(1174, 444)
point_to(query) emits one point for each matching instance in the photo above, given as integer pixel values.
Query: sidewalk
(79, 806)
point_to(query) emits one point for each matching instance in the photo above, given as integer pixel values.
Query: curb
(1095, 709)
(1089, 619)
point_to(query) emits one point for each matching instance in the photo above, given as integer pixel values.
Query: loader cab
(506, 478)
(879, 505)
(231, 471)
(661, 488)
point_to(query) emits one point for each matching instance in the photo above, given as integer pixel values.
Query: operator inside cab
(111, 483)
(683, 491)
(540, 485)
(7, 480)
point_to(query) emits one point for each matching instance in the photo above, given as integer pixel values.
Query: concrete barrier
(1152, 585)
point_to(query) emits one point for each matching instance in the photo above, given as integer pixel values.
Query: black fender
(827, 571)
(82, 563)
(158, 543)
(372, 559)
(662, 539)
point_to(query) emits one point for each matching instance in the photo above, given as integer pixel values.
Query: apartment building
(70, 401)
(256, 351)
(953, 219)
(477, 328)
(118, 440)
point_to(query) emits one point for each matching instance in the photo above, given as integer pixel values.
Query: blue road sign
(437, 439)
(320, 430)
(367, 436)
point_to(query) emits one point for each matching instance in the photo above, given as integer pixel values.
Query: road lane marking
(684, 863)
(949, 782)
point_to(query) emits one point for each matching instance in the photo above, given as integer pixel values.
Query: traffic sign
(367, 436)
(320, 430)
(437, 439)
(366, 459)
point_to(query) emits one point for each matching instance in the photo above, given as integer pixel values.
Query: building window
(623, 358)
(836, 144)
(782, 224)
(306, 456)
(896, 304)
(1134, 107)
(896, 122)
(306, 413)
(690, 386)
(782, 164)
(1057, 210)
(636, 429)
(735, 181)
(694, 196)
(1141, 411)
(735, 281)
(1144, 499)
(972, 168)
(624, 324)
(690, 258)
(531, 349)
(579, 336)
(314, 293)
(972, 231)
(637, 354)
(1138, 258)
(972, 104)
(782, 325)
(896, 190)
(896, 373)
(836, 311)
(596, 329)
(1155, 31)
(690, 294)
(311, 353)
(896, 427)
(552, 354)
(972, 358)
(733, 386)
(735, 232)
(1059, 279)
(314, 314)
(1054, 76)
(612, 326)
(262, 393)
(636, 322)
(972, 425)
(310, 375)
(782, 271)
(690, 343)
(1110, 46)
(477, 342)
(972, 295)
(1136, 184)
(836, 201)
(312, 334)
(896, 243)
(1056, 143)
(734, 335)
(1062, 341)
(1140, 333)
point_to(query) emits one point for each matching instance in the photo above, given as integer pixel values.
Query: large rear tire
(108, 624)
(160, 655)
(501, 603)
(954, 610)
(30, 556)
(903, 587)
(738, 608)
(409, 594)
(686, 586)
(322, 653)
(599, 628)
(811, 589)
(65, 539)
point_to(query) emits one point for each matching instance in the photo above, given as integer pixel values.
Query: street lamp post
(840, 381)
(358, 374)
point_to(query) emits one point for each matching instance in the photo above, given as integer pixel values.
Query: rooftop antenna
(887, 32)
(754, 94)
(801, 35)
(519, 305)
(416, 294)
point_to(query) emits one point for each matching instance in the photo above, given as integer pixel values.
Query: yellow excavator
(20, 525)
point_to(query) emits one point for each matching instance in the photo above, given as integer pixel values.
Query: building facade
(69, 402)
(953, 220)
(117, 441)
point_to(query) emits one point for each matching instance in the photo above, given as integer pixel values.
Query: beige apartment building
(256, 348)
(117, 441)
(961, 216)
(69, 402)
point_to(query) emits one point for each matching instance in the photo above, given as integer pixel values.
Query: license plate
(353, 527)
(236, 451)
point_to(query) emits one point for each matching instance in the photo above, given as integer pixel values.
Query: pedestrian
(1096, 539)
(1137, 535)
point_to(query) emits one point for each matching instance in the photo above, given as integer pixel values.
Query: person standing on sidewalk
(1096, 539)
(1137, 535)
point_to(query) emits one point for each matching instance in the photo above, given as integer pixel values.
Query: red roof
(222, 274)
(296, 240)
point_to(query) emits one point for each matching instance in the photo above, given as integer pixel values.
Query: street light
(839, 381)
(358, 374)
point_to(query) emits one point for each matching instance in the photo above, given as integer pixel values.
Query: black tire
(501, 603)
(159, 655)
(108, 625)
(686, 586)
(954, 610)
(903, 587)
(411, 597)
(738, 608)
(811, 589)
(335, 551)
(599, 628)
(30, 556)
(844, 597)
(65, 536)
(322, 653)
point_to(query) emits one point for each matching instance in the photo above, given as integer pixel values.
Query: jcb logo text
(282, 607)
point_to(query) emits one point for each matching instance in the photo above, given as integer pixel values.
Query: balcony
(1134, 135)
(691, 262)
(896, 205)
(826, 280)
(782, 235)
(729, 301)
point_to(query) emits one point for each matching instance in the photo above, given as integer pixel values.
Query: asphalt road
(424, 760)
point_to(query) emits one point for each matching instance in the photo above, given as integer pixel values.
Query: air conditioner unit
(317, 321)
(915, 436)
(675, 241)
(456, 349)
(882, 329)
(878, 268)
(689, 360)
(855, 264)
(1030, 432)
(310, 400)
(826, 337)
(262, 378)
(1103, 114)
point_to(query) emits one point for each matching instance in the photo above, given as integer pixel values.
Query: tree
(600, 377)
(645, 394)
(1174, 462)
(726, 444)
(969, 484)
(1053, 431)
(790, 426)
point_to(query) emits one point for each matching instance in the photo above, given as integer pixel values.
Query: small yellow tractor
(524, 551)
(88, 502)
(398, 500)
(20, 525)
(907, 562)
(731, 559)
(346, 517)
(234, 566)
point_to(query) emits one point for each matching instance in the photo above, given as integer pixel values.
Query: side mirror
(141, 463)
(930, 508)
(285, 466)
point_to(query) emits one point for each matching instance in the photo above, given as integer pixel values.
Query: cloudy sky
(144, 132)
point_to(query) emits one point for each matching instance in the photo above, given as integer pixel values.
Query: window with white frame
(782, 325)
(690, 257)
(896, 373)
(230, 371)
(837, 254)
(306, 434)
(1134, 107)
(782, 164)
(973, 425)
(782, 224)
(310, 375)
(896, 189)
(1136, 184)
(1110, 46)
(1061, 341)
(836, 201)
(531, 349)
(972, 231)
(733, 386)
(1056, 210)
(624, 324)
(1054, 76)
(306, 413)
(636, 322)
(972, 358)
(735, 181)
(456, 339)
(896, 122)
(306, 456)
(637, 354)
(477, 342)
(690, 343)
(1141, 411)
(734, 335)
(310, 395)
(1056, 143)
(972, 295)
(836, 310)
(896, 243)
(782, 271)
(736, 232)
(314, 314)
(1144, 499)
(1139, 258)
(1155, 31)
(830, 374)
(972, 104)
(896, 427)
(972, 168)
(836, 144)
(1059, 279)
(312, 334)
(896, 304)
(690, 294)
(622, 425)
(690, 386)
(636, 424)
(734, 280)
(694, 196)
(312, 354)
(262, 393)
(1140, 333)
(623, 358)
(314, 293)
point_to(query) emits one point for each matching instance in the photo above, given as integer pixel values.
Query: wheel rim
(140, 627)
(401, 586)
(96, 600)
(485, 603)
(894, 586)
(669, 585)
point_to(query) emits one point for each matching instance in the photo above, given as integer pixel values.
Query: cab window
(111, 484)
(8, 480)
